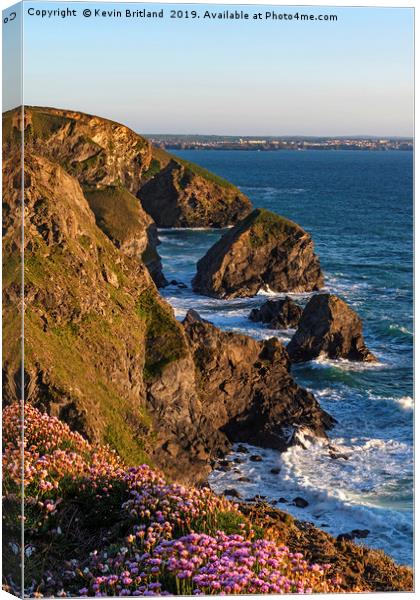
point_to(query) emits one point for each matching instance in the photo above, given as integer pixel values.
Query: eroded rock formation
(264, 251)
(329, 327)
(247, 390)
(185, 195)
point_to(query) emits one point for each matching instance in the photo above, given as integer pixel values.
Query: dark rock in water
(225, 463)
(300, 502)
(182, 285)
(242, 449)
(263, 251)
(275, 471)
(360, 533)
(259, 498)
(255, 458)
(336, 455)
(283, 500)
(248, 392)
(279, 314)
(244, 479)
(232, 492)
(329, 327)
(182, 194)
(238, 461)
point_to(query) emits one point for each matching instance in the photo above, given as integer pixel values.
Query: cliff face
(108, 160)
(101, 153)
(97, 334)
(184, 195)
(262, 251)
(104, 352)
(96, 151)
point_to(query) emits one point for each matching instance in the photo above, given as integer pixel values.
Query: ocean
(358, 208)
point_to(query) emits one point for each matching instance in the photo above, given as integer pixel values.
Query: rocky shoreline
(104, 352)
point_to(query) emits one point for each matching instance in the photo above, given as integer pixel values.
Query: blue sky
(353, 76)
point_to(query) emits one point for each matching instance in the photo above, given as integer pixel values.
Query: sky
(353, 76)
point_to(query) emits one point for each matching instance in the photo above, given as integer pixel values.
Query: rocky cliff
(104, 352)
(182, 194)
(97, 334)
(101, 153)
(263, 251)
(247, 390)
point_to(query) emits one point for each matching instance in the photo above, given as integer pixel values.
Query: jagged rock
(263, 251)
(300, 502)
(360, 533)
(248, 392)
(329, 327)
(275, 471)
(255, 458)
(232, 492)
(279, 314)
(185, 195)
(344, 537)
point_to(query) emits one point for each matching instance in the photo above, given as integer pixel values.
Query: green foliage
(117, 212)
(164, 339)
(192, 169)
(264, 225)
(44, 125)
(10, 134)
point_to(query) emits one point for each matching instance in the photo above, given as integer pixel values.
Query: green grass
(191, 169)
(264, 225)
(44, 125)
(67, 351)
(201, 172)
(10, 135)
(117, 212)
(164, 339)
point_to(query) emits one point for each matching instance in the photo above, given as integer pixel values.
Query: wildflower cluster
(168, 538)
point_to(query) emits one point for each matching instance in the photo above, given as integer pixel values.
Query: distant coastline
(270, 143)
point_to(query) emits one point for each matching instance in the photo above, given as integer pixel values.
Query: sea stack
(263, 252)
(329, 327)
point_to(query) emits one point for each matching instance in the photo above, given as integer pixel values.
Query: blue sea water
(358, 208)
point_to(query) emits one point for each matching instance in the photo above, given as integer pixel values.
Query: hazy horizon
(240, 135)
(263, 78)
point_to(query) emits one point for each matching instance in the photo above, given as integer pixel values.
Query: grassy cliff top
(263, 225)
(162, 158)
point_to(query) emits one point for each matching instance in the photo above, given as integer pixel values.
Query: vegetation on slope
(96, 527)
(265, 225)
